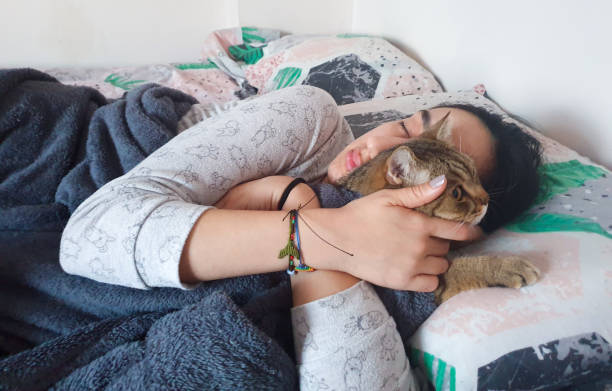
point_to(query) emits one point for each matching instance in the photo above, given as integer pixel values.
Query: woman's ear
(398, 166)
(441, 130)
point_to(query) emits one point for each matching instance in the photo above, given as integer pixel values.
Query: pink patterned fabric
(467, 336)
(399, 74)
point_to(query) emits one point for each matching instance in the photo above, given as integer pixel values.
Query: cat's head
(430, 155)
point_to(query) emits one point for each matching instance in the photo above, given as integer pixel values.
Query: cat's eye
(457, 193)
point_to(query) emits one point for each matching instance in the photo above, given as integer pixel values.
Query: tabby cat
(464, 200)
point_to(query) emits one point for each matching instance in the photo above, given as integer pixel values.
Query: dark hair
(514, 183)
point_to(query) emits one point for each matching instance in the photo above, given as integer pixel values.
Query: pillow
(554, 333)
(352, 68)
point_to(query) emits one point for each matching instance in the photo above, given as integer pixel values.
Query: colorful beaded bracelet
(293, 249)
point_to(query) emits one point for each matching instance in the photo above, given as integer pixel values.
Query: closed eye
(404, 127)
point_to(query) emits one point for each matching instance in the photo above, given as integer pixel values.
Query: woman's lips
(353, 160)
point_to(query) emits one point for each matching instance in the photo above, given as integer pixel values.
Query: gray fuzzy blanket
(58, 144)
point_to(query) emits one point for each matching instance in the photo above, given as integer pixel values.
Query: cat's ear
(401, 162)
(441, 130)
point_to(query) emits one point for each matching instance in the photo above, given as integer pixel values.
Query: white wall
(549, 60)
(298, 16)
(46, 33)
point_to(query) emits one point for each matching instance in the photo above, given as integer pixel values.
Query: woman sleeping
(157, 226)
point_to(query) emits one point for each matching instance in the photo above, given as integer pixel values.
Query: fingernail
(437, 181)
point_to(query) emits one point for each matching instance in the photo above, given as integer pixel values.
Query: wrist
(317, 224)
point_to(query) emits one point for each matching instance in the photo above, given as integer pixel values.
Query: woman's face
(469, 136)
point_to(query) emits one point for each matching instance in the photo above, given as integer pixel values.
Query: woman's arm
(368, 228)
(327, 304)
(132, 231)
(307, 287)
(246, 211)
(264, 194)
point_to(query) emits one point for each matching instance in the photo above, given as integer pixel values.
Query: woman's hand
(261, 194)
(393, 245)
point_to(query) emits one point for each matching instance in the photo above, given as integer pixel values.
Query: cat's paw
(516, 272)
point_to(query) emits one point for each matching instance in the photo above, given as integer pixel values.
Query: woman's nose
(371, 149)
(378, 144)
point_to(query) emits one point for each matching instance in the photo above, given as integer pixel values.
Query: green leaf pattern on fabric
(246, 53)
(549, 222)
(248, 36)
(287, 77)
(571, 199)
(557, 178)
(122, 82)
(439, 373)
(196, 65)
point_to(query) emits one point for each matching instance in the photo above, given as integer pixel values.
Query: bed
(550, 335)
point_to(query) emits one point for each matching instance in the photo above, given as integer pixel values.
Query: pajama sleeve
(132, 230)
(348, 341)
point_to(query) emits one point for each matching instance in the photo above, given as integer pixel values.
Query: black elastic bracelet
(288, 189)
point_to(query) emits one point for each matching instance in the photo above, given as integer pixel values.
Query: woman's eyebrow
(426, 118)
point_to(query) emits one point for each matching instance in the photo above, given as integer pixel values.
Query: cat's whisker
(499, 190)
(512, 187)
(495, 193)
(493, 203)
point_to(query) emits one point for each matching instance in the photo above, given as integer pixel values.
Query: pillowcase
(352, 68)
(548, 335)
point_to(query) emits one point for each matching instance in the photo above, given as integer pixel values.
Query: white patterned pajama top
(132, 230)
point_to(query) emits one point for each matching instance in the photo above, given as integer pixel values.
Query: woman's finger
(437, 247)
(452, 230)
(415, 196)
(423, 283)
(433, 265)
